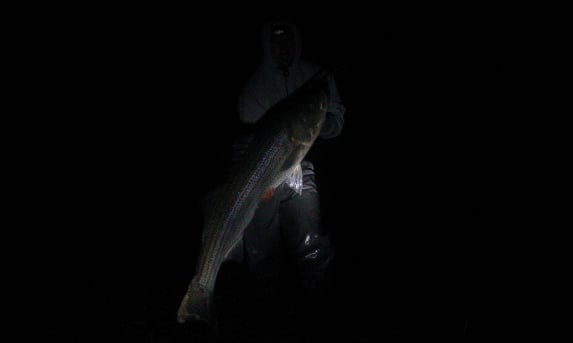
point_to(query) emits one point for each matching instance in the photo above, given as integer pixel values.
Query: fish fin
(294, 180)
(268, 194)
(196, 304)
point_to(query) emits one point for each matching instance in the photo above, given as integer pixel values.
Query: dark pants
(289, 225)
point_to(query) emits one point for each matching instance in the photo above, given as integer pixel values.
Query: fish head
(311, 111)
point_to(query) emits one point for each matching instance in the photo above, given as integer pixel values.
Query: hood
(266, 34)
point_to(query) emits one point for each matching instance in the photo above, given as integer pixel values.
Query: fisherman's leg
(305, 237)
(261, 246)
(313, 253)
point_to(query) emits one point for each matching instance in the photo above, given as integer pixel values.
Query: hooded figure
(281, 72)
(290, 221)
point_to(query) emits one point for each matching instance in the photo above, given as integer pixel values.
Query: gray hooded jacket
(269, 84)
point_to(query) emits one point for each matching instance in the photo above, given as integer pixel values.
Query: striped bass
(282, 138)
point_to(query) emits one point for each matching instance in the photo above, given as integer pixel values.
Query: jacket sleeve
(252, 104)
(335, 114)
(249, 108)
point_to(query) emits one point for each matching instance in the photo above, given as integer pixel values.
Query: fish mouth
(195, 306)
(184, 316)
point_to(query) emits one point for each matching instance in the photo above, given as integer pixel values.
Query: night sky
(142, 128)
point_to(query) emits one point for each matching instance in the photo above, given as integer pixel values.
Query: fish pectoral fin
(302, 142)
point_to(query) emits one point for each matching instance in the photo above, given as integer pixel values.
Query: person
(288, 221)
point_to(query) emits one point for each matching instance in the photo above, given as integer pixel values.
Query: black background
(136, 123)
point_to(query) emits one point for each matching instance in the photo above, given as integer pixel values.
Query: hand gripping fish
(282, 138)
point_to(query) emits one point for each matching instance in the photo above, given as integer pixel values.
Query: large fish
(282, 138)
